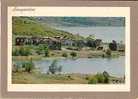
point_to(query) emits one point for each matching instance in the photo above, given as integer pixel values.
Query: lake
(107, 34)
(114, 66)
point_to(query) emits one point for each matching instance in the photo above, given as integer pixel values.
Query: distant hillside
(83, 21)
(29, 26)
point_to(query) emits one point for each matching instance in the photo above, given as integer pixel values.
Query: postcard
(55, 49)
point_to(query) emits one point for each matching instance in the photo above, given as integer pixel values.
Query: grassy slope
(37, 78)
(30, 27)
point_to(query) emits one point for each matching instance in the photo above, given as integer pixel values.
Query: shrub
(87, 78)
(113, 45)
(46, 51)
(65, 55)
(108, 52)
(21, 51)
(99, 78)
(29, 66)
(39, 49)
(69, 77)
(53, 68)
(16, 68)
(106, 76)
(93, 80)
(73, 54)
(43, 49)
(24, 51)
(15, 52)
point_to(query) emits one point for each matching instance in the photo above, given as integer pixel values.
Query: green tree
(113, 45)
(53, 68)
(106, 76)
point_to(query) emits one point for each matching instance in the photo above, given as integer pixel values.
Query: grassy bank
(39, 78)
(57, 54)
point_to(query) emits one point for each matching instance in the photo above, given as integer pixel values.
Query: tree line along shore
(59, 47)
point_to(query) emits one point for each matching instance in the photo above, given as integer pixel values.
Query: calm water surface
(107, 34)
(115, 66)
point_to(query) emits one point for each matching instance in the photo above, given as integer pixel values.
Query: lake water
(107, 34)
(114, 66)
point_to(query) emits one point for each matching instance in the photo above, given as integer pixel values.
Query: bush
(43, 49)
(39, 49)
(93, 80)
(113, 45)
(29, 66)
(24, 51)
(87, 78)
(73, 54)
(65, 55)
(15, 52)
(106, 76)
(53, 68)
(16, 68)
(108, 52)
(21, 51)
(99, 78)
(46, 51)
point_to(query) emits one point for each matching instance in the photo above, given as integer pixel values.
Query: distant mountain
(82, 21)
(29, 26)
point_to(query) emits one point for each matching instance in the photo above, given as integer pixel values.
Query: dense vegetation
(21, 51)
(42, 49)
(27, 66)
(99, 78)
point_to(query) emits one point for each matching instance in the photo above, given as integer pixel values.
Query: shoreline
(73, 78)
(80, 54)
